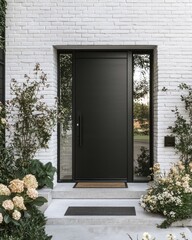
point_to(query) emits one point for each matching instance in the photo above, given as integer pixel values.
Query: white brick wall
(35, 28)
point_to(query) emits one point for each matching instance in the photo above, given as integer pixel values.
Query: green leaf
(39, 201)
(3, 198)
(7, 219)
(15, 222)
(49, 183)
(27, 214)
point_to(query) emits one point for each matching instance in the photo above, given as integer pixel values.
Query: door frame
(130, 161)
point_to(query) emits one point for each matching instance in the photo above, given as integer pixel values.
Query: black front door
(101, 116)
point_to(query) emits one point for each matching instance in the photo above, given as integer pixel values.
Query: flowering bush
(170, 236)
(170, 194)
(17, 199)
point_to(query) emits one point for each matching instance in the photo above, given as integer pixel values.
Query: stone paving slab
(90, 232)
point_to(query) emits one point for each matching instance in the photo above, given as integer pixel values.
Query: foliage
(32, 120)
(182, 129)
(3, 124)
(17, 200)
(141, 111)
(29, 122)
(141, 114)
(141, 87)
(7, 166)
(66, 90)
(170, 194)
(43, 172)
(31, 227)
(3, 5)
(143, 161)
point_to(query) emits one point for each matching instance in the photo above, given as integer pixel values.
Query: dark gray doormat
(100, 211)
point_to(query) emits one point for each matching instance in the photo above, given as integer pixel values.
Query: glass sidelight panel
(65, 62)
(141, 116)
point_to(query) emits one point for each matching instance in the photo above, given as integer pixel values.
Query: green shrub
(32, 120)
(143, 161)
(7, 163)
(30, 228)
(3, 6)
(182, 129)
(44, 173)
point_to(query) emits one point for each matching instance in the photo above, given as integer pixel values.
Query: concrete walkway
(98, 232)
(105, 227)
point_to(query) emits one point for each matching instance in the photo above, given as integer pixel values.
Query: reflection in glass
(66, 127)
(141, 112)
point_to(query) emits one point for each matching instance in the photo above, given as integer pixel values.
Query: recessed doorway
(107, 129)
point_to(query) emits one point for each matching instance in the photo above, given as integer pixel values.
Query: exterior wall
(36, 28)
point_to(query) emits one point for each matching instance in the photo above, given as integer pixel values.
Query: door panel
(101, 118)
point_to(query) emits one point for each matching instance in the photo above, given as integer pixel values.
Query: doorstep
(66, 191)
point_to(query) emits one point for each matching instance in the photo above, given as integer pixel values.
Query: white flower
(4, 190)
(16, 215)
(146, 236)
(16, 186)
(170, 236)
(1, 218)
(8, 205)
(190, 165)
(3, 121)
(30, 181)
(19, 202)
(178, 183)
(172, 214)
(181, 167)
(185, 184)
(32, 193)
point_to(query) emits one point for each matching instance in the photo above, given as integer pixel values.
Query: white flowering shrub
(170, 236)
(170, 194)
(17, 200)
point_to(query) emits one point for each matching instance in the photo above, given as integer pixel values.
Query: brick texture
(36, 28)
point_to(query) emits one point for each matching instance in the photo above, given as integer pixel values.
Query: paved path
(90, 232)
(105, 227)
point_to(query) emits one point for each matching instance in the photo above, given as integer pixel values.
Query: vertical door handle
(79, 125)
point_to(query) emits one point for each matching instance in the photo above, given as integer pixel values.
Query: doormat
(100, 185)
(100, 211)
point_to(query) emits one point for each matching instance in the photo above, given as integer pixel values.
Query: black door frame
(129, 107)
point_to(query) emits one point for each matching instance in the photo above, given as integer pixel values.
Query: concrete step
(66, 191)
(56, 210)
